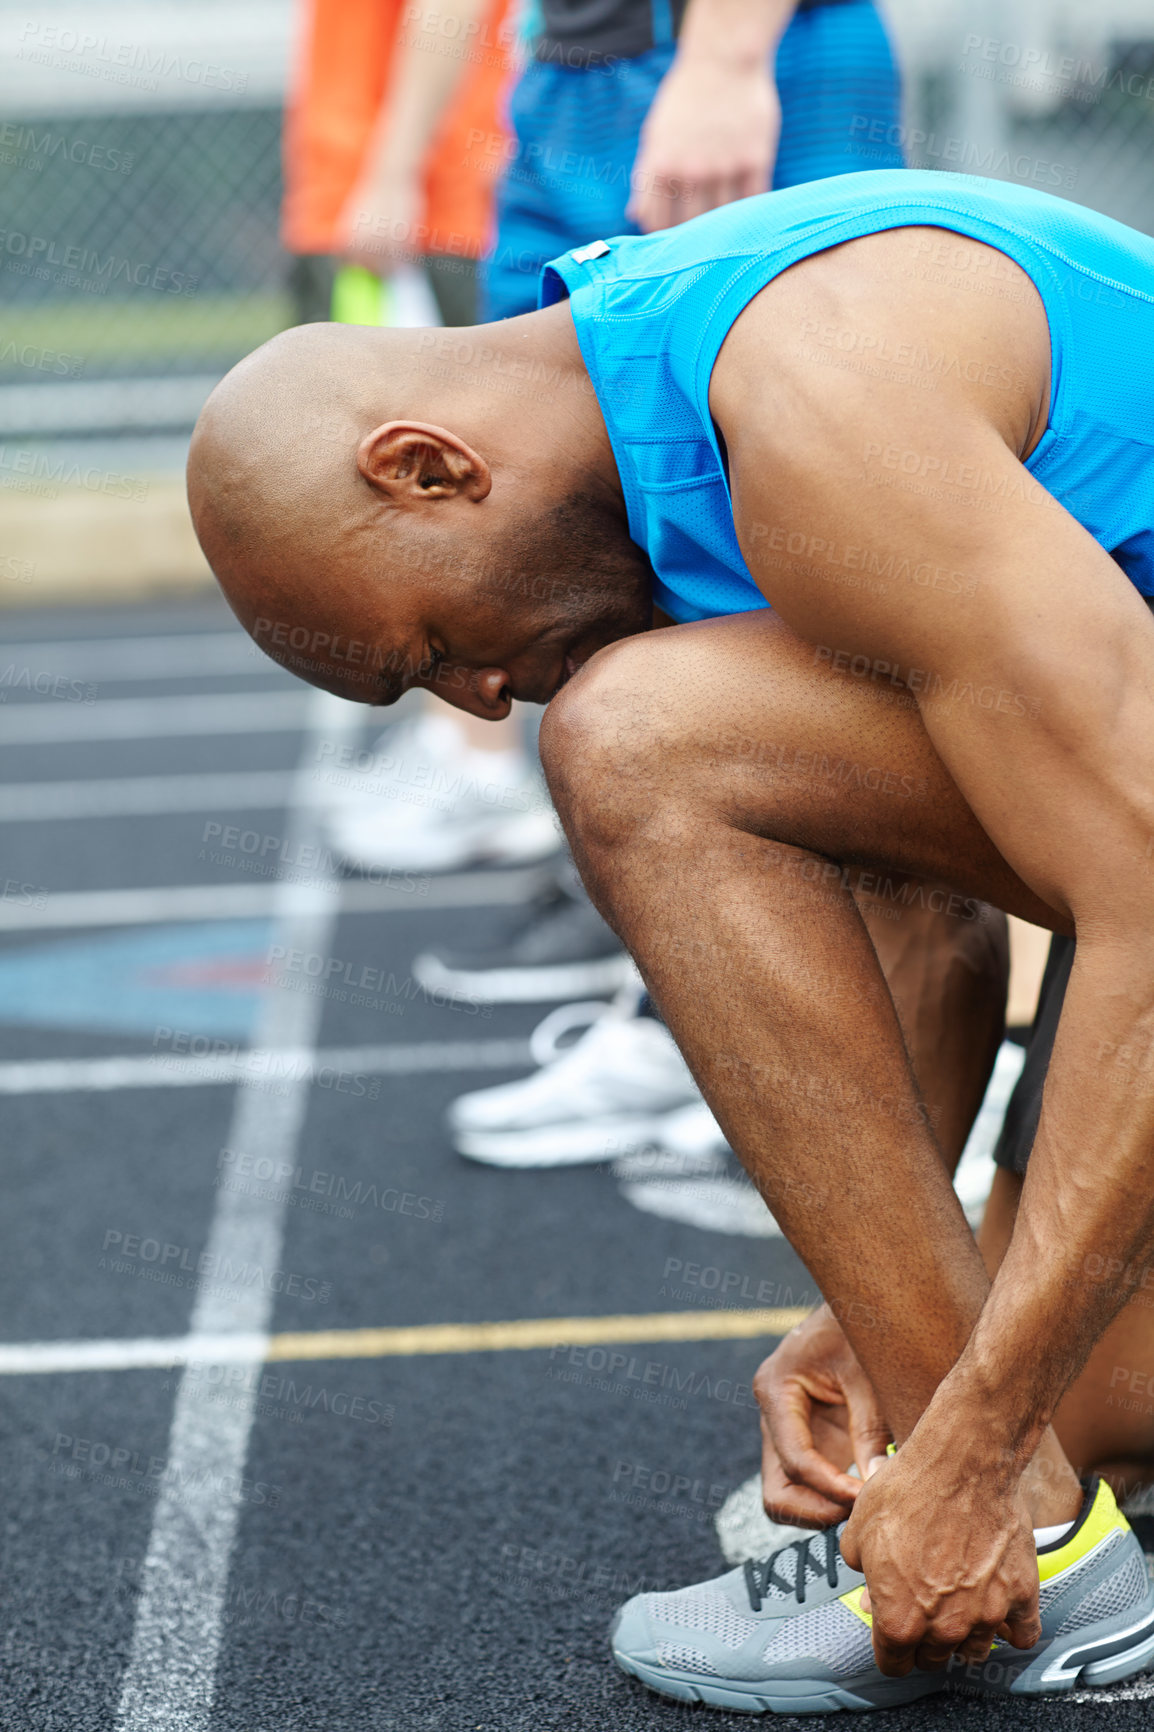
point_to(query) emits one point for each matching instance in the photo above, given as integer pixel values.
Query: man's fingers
(975, 1650)
(894, 1654)
(934, 1651)
(1023, 1626)
(785, 1501)
(788, 1413)
(800, 1507)
(869, 1434)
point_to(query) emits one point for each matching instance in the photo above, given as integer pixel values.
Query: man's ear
(410, 461)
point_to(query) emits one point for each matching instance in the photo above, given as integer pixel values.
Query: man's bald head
(273, 481)
(340, 489)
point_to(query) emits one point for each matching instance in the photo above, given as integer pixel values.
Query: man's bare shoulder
(892, 324)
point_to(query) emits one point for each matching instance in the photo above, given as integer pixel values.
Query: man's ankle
(1052, 1500)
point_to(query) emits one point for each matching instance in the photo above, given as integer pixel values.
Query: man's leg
(726, 794)
(948, 980)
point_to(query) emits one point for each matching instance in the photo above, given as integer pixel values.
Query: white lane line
(1139, 1691)
(261, 1068)
(390, 892)
(141, 796)
(30, 1358)
(143, 658)
(170, 1679)
(156, 718)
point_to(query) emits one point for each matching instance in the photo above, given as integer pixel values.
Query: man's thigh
(754, 730)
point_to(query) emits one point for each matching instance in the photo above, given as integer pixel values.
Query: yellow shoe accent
(1102, 1519)
(852, 1603)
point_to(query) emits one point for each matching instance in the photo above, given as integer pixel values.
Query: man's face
(477, 621)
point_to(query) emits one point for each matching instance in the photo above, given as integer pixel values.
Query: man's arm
(386, 206)
(1035, 681)
(711, 134)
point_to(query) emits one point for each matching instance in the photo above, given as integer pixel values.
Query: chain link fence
(140, 256)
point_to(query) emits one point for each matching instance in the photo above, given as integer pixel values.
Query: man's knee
(607, 746)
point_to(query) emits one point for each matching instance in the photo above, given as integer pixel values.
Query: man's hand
(948, 1555)
(709, 138)
(819, 1413)
(377, 226)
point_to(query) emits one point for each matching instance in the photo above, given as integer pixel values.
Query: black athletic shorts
(1024, 1110)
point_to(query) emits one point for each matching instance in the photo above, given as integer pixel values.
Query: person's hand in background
(382, 218)
(711, 135)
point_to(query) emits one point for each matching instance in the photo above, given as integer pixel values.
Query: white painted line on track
(156, 718)
(142, 796)
(1139, 1691)
(399, 892)
(169, 1683)
(24, 1358)
(260, 1067)
(187, 654)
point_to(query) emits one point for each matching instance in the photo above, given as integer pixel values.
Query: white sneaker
(601, 1098)
(745, 1531)
(427, 801)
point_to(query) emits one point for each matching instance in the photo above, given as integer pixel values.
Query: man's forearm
(427, 67)
(740, 32)
(1086, 1219)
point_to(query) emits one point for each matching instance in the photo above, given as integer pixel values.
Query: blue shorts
(576, 134)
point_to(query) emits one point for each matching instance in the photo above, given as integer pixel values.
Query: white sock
(1047, 1536)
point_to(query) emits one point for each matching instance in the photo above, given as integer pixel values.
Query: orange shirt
(347, 54)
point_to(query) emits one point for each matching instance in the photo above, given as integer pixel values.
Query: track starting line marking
(31, 1358)
(271, 1068)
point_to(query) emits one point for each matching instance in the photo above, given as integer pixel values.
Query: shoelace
(764, 1573)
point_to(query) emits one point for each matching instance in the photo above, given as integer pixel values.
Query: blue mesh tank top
(652, 311)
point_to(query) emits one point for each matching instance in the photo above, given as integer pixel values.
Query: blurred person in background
(376, 137)
(386, 98)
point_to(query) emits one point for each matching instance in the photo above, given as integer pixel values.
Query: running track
(265, 1463)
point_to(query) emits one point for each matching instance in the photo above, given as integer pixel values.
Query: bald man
(914, 413)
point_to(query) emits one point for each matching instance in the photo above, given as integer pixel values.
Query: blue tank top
(652, 311)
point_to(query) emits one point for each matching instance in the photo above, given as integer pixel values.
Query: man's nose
(483, 692)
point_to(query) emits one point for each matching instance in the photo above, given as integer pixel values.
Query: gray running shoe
(787, 1634)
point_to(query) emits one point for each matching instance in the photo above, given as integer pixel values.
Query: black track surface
(453, 1565)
